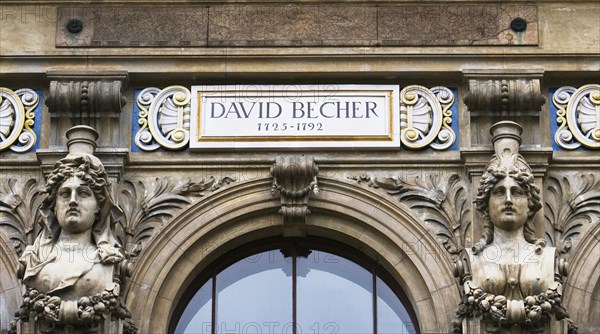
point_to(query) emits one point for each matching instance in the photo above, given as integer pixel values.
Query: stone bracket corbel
(89, 98)
(504, 93)
(294, 179)
(86, 92)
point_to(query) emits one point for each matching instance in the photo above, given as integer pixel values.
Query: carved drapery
(425, 117)
(17, 119)
(294, 179)
(578, 117)
(164, 118)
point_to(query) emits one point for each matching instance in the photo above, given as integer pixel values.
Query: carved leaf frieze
(571, 202)
(19, 204)
(149, 204)
(441, 202)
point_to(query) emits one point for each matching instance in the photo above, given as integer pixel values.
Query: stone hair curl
(525, 179)
(94, 176)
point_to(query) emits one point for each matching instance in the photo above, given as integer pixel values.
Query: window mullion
(374, 300)
(294, 295)
(213, 329)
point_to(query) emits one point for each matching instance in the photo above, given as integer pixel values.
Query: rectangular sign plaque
(295, 116)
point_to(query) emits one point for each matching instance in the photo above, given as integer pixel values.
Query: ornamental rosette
(578, 117)
(17, 119)
(425, 117)
(164, 118)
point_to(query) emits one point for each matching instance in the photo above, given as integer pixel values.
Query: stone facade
(411, 209)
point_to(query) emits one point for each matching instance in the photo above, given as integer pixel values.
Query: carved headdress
(507, 162)
(80, 162)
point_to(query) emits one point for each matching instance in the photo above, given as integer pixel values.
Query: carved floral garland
(90, 310)
(538, 308)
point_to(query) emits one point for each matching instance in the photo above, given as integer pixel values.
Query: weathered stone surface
(455, 24)
(297, 25)
(272, 25)
(113, 26)
(521, 287)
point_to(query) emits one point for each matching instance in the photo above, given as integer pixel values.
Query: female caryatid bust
(510, 276)
(75, 252)
(71, 272)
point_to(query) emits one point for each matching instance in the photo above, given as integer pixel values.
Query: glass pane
(197, 315)
(392, 317)
(334, 295)
(254, 295)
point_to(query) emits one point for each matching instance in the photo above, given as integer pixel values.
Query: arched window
(295, 287)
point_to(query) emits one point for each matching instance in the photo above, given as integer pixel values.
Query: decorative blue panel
(575, 116)
(429, 118)
(20, 119)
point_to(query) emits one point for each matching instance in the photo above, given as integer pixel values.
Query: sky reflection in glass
(333, 295)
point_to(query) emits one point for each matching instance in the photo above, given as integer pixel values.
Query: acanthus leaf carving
(19, 204)
(571, 203)
(442, 203)
(149, 205)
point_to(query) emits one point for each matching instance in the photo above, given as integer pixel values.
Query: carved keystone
(294, 178)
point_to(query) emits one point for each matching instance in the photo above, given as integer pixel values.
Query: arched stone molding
(582, 287)
(344, 212)
(10, 290)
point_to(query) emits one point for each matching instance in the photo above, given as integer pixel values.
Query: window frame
(293, 247)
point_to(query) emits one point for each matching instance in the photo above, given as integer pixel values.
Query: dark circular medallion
(74, 26)
(518, 24)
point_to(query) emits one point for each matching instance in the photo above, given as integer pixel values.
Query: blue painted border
(37, 120)
(135, 126)
(454, 126)
(554, 124)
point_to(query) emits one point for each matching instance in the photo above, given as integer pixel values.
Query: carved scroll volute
(506, 95)
(86, 95)
(294, 178)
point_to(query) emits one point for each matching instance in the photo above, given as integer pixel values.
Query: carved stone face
(508, 205)
(76, 206)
